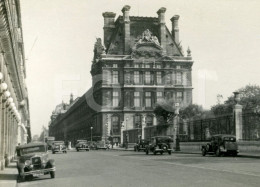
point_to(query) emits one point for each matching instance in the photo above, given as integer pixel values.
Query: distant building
(14, 103)
(140, 63)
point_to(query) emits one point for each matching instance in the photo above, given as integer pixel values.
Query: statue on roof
(98, 49)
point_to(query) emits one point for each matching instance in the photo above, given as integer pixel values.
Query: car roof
(32, 144)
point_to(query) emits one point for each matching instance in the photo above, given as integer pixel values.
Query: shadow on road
(8, 176)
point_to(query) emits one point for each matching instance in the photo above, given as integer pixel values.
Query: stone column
(237, 112)
(143, 126)
(126, 19)
(1, 131)
(161, 19)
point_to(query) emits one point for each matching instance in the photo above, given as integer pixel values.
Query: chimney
(71, 98)
(126, 31)
(175, 28)
(161, 19)
(109, 25)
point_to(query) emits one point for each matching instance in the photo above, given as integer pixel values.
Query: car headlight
(27, 162)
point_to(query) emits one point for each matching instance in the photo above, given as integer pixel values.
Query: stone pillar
(143, 126)
(126, 19)
(175, 28)
(109, 25)
(161, 19)
(237, 112)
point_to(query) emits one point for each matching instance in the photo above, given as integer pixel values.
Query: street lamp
(91, 134)
(177, 140)
(126, 145)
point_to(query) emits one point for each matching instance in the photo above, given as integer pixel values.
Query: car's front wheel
(78, 150)
(169, 152)
(154, 152)
(52, 173)
(147, 151)
(218, 153)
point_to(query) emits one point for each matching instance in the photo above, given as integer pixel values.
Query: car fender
(50, 163)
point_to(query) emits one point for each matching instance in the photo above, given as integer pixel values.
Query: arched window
(149, 120)
(115, 125)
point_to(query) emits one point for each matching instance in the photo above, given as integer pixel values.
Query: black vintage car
(141, 145)
(33, 161)
(160, 144)
(221, 144)
(58, 147)
(82, 145)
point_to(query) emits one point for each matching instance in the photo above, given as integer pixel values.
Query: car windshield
(58, 143)
(229, 139)
(27, 150)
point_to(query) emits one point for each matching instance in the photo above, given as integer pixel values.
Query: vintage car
(58, 147)
(33, 161)
(82, 145)
(141, 145)
(160, 144)
(221, 144)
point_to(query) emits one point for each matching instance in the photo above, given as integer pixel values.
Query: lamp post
(91, 134)
(177, 146)
(126, 145)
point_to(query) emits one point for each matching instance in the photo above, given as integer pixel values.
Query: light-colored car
(33, 161)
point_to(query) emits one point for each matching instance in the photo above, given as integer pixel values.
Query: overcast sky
(59, 36)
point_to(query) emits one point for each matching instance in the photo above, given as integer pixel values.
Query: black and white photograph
(129, 93)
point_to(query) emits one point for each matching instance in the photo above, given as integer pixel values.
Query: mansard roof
(138, 25)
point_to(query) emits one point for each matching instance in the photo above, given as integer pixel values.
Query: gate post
(237, 112)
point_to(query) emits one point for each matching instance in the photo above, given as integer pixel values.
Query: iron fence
(250, 126)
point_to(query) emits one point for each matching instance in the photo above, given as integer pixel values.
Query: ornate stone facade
(14, 104)
(140, 63)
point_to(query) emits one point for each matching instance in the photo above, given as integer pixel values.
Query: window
(137, 65)
(115, 77)
(159, 96)
(127, 78)
(115, 124)
(159, 66)
(115, 99)
(137, 123)
(106, 77)
(149, 120)
(147, 65)
(178, 78)
(168, 95)
(114, 65)
(178, 67)
(159, 77)
(136, 77)
(179, 96)
(137, 99)
(168, 78)
(148, 77)
(106, 98)
(148, 99)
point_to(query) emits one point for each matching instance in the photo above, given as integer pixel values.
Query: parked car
(58, 146)
(141, 145)
(33, 161)
(82, 145)
(221, 144)
(160, 144)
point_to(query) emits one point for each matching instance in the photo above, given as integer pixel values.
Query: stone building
(14, 104)
(140, 63)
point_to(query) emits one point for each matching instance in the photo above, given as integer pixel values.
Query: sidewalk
(8, 176)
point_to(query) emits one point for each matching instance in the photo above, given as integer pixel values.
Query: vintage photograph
(115, 93)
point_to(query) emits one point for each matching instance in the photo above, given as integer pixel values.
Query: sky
(59, 37)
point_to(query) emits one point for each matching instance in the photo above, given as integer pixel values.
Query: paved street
(127, 168)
